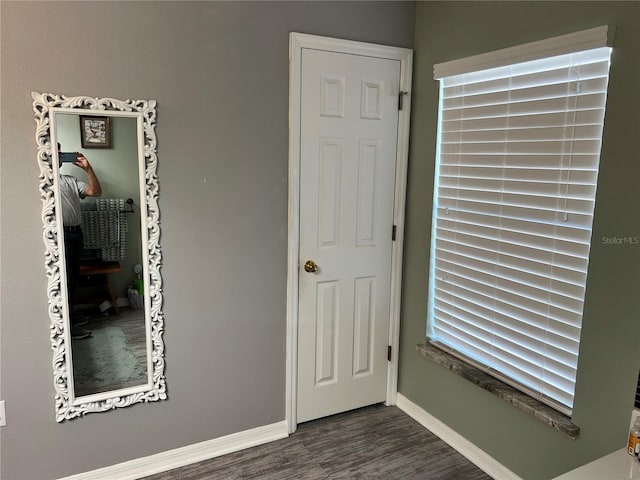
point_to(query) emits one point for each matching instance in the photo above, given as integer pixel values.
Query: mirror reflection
(98, 187)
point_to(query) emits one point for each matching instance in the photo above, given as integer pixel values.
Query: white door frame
(298, 41)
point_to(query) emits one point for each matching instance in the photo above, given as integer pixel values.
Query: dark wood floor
(372, 443)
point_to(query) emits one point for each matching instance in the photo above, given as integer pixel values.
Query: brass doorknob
(310, 266)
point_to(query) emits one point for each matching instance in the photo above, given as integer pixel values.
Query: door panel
(349, 122)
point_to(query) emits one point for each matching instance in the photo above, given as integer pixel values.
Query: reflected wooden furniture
(101, 272)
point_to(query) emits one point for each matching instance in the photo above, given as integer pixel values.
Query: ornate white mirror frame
(67, 405)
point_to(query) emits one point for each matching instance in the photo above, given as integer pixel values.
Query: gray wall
(219, 72)
(609, 353)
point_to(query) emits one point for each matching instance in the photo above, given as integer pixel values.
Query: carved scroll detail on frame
(65, 408)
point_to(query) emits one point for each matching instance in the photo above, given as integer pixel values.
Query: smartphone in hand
(67, 157)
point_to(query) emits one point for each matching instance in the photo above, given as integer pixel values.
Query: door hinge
(401, 99)
(393, 233)
(389, 353)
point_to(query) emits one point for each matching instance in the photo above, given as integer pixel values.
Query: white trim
(179, 457)
(298, 41)
(474, 454)
(572, 42)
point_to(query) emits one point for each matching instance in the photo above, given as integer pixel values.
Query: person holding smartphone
(72, 191)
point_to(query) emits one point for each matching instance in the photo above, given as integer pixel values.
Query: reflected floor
(114, 357)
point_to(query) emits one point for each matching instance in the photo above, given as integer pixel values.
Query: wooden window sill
(520, 400)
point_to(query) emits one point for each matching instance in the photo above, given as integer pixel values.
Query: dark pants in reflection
(73, 245)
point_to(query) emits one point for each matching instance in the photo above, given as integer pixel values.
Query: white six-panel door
(348, 148)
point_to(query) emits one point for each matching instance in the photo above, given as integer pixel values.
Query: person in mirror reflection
(72, 191)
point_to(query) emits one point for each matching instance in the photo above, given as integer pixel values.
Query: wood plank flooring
(372, 443)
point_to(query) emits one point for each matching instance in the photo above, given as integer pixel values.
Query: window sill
(520, 400)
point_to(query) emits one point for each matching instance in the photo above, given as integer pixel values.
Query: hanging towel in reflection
(105, 229)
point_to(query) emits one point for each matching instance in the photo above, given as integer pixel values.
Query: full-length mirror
(100, 212)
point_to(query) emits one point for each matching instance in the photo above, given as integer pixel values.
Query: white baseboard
(475, 455)
(161, 462)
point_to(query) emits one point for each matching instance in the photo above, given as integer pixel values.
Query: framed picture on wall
(95, 132)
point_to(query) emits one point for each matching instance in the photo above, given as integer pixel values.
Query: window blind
(517, 167)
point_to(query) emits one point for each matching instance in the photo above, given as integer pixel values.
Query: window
(518, 151)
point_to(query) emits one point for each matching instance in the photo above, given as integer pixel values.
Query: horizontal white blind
(518, 155)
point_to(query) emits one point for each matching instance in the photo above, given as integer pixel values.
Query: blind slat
(548, 84)
(534, 120)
